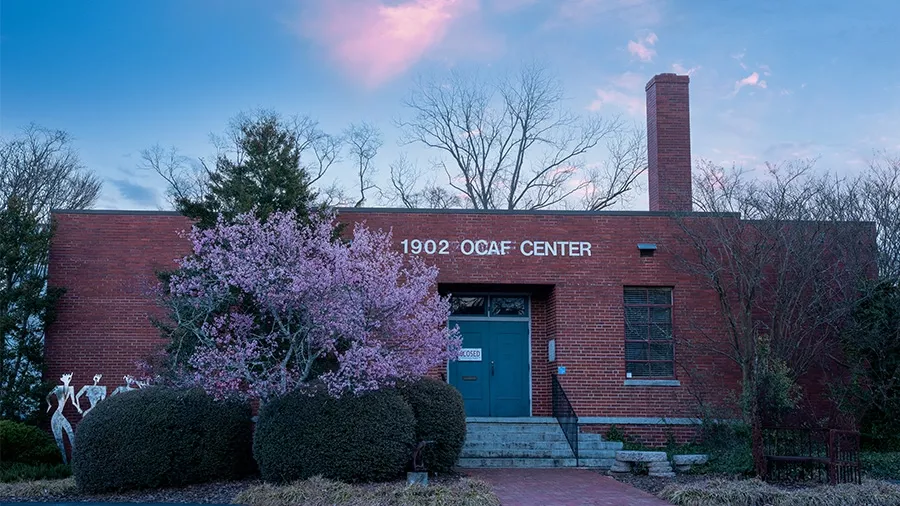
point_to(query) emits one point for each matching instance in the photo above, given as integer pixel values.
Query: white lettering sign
(484, 247)
(469, 355)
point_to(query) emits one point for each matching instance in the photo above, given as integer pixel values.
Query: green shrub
(16, 471)
(27, 444)
(729, 449)
(355, 438)
(440, 417)
(720, 492)
(158, 437)
(881, 465)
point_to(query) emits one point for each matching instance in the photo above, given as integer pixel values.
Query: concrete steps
(534, 442)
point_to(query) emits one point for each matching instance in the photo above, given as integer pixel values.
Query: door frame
(500, 319)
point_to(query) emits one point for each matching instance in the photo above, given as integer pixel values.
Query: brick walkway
(561, 487)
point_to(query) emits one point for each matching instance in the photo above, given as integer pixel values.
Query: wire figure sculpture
(58, 422)
(127, 387)
(95, 393)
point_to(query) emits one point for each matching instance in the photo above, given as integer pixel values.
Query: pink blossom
(270, 299)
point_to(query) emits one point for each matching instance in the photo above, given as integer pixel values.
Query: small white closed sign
(470, 355)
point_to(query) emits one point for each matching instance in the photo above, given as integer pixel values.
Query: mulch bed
(205, 493)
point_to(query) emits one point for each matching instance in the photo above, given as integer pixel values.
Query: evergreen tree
(25, 308)
(264, 173)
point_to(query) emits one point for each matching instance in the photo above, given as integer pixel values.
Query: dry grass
(38, 488)
(322, 492)
(720, 492)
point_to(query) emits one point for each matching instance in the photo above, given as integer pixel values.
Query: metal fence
(565, 415)
(806, 454)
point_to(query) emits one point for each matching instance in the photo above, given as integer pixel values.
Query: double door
(493, 373)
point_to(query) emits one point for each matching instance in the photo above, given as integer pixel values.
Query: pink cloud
(374, 41)
(643, 47)
(751, 80)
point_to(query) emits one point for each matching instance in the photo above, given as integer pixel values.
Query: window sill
(652, 383)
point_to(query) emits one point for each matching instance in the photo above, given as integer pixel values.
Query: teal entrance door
(493, 373)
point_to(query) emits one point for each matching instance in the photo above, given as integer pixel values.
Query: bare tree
(510, 144)
(41, 169)
(786, 278)
(406, 190)
(363, 141)
(611, 181)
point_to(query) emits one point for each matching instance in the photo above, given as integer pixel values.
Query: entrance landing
(561, 487)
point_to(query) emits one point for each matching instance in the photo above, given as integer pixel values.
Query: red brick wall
(106, 263)
(669, 143)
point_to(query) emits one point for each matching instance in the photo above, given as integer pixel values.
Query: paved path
(561, 487)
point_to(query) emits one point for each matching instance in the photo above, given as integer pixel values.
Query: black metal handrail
(565, 415)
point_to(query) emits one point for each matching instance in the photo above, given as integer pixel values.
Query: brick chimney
(669, 143)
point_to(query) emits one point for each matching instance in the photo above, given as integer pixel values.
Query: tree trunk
(757, 444)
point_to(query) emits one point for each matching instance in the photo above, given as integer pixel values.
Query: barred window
(649, 347)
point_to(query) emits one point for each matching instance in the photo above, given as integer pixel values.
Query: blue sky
(770, 80)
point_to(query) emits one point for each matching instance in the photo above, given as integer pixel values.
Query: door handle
(492, 367)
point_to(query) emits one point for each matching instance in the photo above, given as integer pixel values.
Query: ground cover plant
(321, 492)
(753, 492)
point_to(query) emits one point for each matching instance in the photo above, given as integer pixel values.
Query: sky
(771, 81)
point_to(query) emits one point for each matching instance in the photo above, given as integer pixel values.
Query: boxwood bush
(440, 417)
(157, 437)
(361, 438)
(27, 444)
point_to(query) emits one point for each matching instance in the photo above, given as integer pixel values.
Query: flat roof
(403, 210)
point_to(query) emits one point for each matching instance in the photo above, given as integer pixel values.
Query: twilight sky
(771, 80)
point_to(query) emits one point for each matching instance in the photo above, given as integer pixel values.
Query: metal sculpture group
(64, 393)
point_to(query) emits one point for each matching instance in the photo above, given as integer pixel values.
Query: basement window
(649, 345)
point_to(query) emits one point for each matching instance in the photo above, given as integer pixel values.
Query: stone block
(636, 456)
(659, 466)
(689, 460)
(620, 467)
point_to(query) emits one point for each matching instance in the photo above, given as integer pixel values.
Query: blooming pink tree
(263, 308)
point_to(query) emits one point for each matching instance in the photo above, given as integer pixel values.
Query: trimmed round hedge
(156, 437)
(27, 444)
(440, 417)
(361, 438)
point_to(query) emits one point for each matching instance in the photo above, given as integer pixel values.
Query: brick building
(595, 299)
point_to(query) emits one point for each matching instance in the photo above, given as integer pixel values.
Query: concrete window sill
(652, 383)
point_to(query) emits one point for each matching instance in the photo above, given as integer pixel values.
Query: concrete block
(636, 456)
(690, 460)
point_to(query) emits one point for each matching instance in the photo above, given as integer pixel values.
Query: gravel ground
(206, 493)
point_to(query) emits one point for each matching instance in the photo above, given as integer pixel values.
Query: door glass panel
(509, 306)
(468, 306)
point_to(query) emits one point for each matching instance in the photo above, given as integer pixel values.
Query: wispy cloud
(137, 194)
(643, 47)
(375, 41)
(681, 69)
(624, 92)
